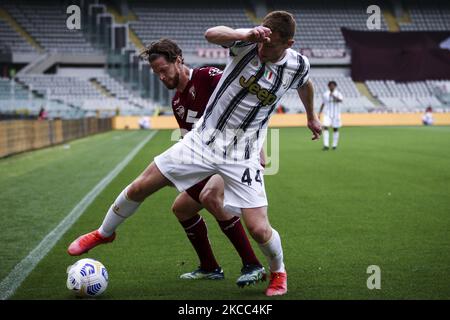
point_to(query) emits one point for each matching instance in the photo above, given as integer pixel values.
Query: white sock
(274, 252)
(326, 138)
(335, 138)
(121, 209)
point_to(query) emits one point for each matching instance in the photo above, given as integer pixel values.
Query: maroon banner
(400, 56)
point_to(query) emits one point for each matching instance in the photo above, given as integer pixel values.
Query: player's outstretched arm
(226, 36)
(306, 94)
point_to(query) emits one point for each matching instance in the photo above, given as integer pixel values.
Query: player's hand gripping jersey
(238, 112)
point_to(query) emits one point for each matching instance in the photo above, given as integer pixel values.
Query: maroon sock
(236, 233)
(197, 233)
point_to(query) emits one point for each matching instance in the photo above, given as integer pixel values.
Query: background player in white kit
(228, 138)
(331, 106)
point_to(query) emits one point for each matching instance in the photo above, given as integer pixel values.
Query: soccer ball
(87, 277)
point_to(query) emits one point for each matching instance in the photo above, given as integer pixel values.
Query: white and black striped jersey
(239, 109)
(332, 107)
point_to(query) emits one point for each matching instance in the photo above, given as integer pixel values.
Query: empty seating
(11, 39)
(353, 100)
(16, 98)
(70, 89)
(116, 88)
(427, 16)
(184, 24)
(319, 22)
(12, 90)
(46, 23)
(82, 94)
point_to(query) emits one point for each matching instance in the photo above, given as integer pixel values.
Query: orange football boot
(88, 241)
(277, 285)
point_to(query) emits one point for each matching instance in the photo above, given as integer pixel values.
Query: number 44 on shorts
(246, 178)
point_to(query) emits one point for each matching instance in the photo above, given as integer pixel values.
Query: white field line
(21, 271)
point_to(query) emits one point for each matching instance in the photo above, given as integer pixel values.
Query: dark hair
(332, 82)
(162, 48)
(281, 22)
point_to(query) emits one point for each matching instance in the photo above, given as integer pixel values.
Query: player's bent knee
(134, 191)
(260, 234)
(150, 181)
(137, 190)
(178, 211)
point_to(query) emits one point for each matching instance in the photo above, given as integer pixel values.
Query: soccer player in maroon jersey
(193, 89)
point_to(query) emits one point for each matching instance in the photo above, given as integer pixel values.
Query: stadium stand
(81, 93)
(11, 96)
(114, 87)
(10, 90)
(11, 39)
(410, 96)
(319, 22)
(72, 89)
(319, 26)
(426, 16)
(185, 24)
(46, 23)
(17, 99)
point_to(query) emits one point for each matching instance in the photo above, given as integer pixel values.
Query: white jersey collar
(281, 61)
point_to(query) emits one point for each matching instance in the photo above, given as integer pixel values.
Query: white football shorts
(188, 162)
(332, 122)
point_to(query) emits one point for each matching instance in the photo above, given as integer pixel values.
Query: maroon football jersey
(188, 106)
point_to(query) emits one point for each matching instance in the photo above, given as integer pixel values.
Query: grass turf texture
(381, 199)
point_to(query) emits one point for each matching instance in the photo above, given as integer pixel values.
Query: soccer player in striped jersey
(331, 107)
(228, 137)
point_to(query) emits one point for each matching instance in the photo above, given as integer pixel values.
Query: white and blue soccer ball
(87, 277)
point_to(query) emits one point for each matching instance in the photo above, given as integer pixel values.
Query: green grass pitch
(383, 198)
